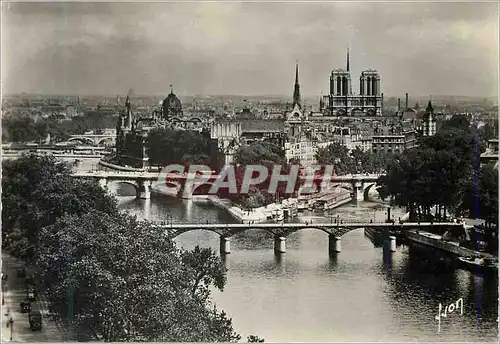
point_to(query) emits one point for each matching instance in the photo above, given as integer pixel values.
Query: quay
(436, 241)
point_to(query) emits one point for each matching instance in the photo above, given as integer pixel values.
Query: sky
(248, 48)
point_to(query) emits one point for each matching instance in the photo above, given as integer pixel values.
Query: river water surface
(304, 296)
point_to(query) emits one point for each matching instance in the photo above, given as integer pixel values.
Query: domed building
(171, 106)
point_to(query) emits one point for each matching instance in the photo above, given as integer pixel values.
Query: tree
(258, 152)
(338, 156)
(38, 190)
(480, 196)
(150, 290)
(23, 129)
(437, 173)
(165, 146)
(104, 270)
(207, 270)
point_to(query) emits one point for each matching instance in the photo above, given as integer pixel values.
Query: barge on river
(333, 200)
(450, 247)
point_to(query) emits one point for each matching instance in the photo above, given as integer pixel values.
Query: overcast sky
(248, 48)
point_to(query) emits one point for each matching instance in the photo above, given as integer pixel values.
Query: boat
(333, 200)
(489, 264)
(440, 243)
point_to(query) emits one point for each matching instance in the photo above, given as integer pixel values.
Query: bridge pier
(279, 244)
(143, 190)
(392, 243)
(225, 245)
(334, 244)
(183, 194)
(359, 192)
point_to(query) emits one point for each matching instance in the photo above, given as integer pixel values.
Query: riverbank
(287, 207)
(256, 215)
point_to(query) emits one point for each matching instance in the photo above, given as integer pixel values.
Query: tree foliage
(443, 172)
(104, 270)
(23, 128)
(356, 161)
(269, 155)
(259, 152)
(38, 190)
(167, 146)
(129, 282)
(29, 128)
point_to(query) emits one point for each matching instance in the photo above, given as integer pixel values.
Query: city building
(232, 133)
(491, 153)
(171, 106)
(342, 101)
(302, 150)
(388, 143)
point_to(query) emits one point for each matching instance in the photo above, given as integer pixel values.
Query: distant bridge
(142, 181)
(281, 230)
(95, 139)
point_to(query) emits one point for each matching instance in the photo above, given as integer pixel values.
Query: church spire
(127, 102)
(296, 90)
(348, 59)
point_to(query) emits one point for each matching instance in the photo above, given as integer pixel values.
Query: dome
(171, 106)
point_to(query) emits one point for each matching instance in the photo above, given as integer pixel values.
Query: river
(304, 296)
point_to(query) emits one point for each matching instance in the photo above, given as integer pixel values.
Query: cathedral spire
(296, 90)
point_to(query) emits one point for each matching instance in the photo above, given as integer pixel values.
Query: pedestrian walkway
(15, 292)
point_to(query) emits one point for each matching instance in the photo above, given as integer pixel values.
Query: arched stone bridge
(142, 181)
(281, 230)
(95, 139)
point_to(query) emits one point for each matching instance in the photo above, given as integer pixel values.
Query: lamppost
(3, 294)
(11, 323)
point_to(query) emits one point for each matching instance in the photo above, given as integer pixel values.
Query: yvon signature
(452, 307)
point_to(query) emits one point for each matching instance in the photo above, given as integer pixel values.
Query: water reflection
(306, 295)
(415, 294)
(189, 210)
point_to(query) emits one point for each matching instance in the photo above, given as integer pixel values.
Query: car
(35, 320)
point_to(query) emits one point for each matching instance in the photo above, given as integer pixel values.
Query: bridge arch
(113, 185)
(106, 141)
(177, 232)
(82, 139)
(172, 184)
(202, 188)
(319, 228)
(367, 188)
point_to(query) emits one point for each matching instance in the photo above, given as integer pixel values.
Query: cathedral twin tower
(341, 101)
